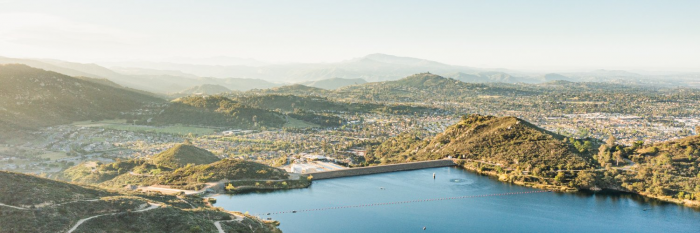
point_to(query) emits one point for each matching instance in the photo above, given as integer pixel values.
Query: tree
(611, 141)
(560, 176)
(603, 154)
(664, 159)
(618, 156)
(585, 179)
(230, 187)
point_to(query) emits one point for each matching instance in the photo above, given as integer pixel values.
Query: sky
(526, 35)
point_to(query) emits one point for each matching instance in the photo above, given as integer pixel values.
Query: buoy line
(404, 202)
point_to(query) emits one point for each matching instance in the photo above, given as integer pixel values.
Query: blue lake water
(534, 212)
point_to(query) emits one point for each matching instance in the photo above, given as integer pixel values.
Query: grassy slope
(25, 190)
(668, 170)
(31, 98)
(519, 152)
(183, 166)
(321, 104)
(217, 111)
(508, 141)
(229, 169)
(507, 147)
(175, 216)
(183, 154)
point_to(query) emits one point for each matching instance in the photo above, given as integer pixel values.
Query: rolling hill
(182, 154)
(508, 141)
(34, 204)
(422, 87)
(194, 177)
(183, 166)
(512, 149)
(217, 111)
(32, 98)
(290, 103)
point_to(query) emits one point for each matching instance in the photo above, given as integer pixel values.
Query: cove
(532, 212)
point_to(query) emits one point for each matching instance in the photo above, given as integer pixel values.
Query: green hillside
(508, 141)
(506, 146)
(519, 152)
(422, 87)
(291, 103)
(667, 170)
(16, 190)
(32, 98)
(34, 204)
(183, 154)
(217, 111)
(227, 169)
(182, 166)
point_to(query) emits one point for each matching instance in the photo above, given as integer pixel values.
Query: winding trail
(45, 204)
(14, 207)
(81, 221)
(218, 223)
(167, 190)
(89, 200)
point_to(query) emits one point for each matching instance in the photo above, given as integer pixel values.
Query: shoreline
(565, 189)
(556, 188)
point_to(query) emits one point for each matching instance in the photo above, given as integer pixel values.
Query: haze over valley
(308, 116)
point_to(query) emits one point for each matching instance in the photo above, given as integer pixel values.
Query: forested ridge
(31, 98)
(519, 152)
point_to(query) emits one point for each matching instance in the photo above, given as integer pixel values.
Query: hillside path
(81, 221)
(46, 204)
(218, 223)
(14, 207)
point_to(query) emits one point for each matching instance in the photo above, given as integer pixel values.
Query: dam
(381, 169)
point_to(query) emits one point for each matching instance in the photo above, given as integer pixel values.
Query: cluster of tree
(522, 153)
(183, 166)
(291, 103)
(217, 111)
(557, 97)
(325, 120)
(510, 142)
(229, 169)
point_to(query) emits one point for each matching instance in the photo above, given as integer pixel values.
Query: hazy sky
(529, 35)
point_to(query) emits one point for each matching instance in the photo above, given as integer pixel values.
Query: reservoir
(528, 212)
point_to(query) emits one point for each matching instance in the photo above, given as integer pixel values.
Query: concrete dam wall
(382, 169)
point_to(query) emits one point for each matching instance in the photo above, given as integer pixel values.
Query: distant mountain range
(246, 74)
